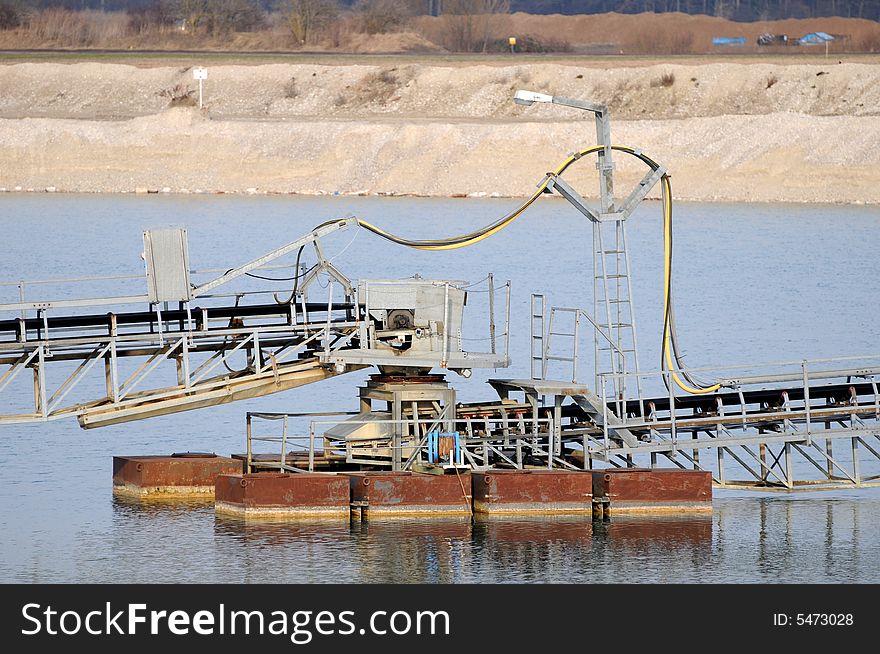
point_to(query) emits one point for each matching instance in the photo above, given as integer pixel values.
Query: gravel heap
(723, 131)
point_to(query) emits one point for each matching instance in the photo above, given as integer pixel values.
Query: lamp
(529, 98)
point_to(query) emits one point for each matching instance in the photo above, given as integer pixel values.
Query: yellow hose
(475, 237)
(465, 240)
(667, 286)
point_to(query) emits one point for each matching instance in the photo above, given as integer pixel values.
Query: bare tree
(378, 16)
(307, 17)
(235, 15)
(155, 15)
(193, 13)
(11, 14)
(470, 22)
(491, 10)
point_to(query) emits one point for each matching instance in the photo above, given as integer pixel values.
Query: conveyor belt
(706, 404)
(12, 328)
(769, 396)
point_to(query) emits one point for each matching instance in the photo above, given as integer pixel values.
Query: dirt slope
(723, 131)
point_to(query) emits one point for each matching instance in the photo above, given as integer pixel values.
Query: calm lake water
(753, 283)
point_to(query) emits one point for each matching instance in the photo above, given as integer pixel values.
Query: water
(753, 283)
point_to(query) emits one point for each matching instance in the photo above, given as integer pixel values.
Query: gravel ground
(722, 130)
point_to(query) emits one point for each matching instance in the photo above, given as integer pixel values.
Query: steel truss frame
(513, 440)
(762, 432)
(291, 350)
(764, 426)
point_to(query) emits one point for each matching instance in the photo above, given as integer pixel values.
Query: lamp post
(603, 138)
(612, 283)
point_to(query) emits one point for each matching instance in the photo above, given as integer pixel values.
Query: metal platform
(791, 425)
(820, 434)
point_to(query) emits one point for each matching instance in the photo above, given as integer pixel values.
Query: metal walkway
(219, 345)
(766, 433)
(818, 426)
(162, 361)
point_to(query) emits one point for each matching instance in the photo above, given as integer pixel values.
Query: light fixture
(528, 98)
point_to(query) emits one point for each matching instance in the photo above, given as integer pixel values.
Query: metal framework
(815, 428)
(615, 341)
(523, 439)
(285, 348)
(781, 428)
(807, 424)
(165, 360)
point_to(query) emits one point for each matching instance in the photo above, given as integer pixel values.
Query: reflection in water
(793, 539)
(525, 549)
(445, 551)
(412, 550)
(302, 551)
(653, 549)
(800, 538)
(124, 507)
(249, 533)
(675, 532)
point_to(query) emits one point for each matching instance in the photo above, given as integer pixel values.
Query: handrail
(394, 442)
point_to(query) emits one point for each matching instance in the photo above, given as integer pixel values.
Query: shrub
(380, 16)
(651, 41)
(227, 16)
(179, 95)
(377, 87)
(870, 42)
(290, 90)
(529, 44)
(11, 14)
(665, 80)
(150, 17)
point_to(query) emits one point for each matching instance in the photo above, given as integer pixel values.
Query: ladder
(538, 362)
(613, 310)
(553, 325)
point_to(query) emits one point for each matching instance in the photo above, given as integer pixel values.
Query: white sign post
(200, 74)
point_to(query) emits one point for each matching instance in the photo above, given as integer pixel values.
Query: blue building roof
(816, 37)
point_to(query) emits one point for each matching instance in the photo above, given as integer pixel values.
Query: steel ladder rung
(560, 334)
(618, 325)
(613, 252)
(608, 349)
(555, 358)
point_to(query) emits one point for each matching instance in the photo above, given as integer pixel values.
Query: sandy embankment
(739, 132)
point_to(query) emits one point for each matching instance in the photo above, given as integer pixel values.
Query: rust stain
(654, 491)
(411, 493)
(543, 492)
(178, 475)
(282, 496)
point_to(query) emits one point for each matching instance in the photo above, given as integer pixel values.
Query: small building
(773, 39)
(729, 40)
(815, 38)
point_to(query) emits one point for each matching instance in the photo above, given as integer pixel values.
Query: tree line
(246, 10)
(739, 10)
